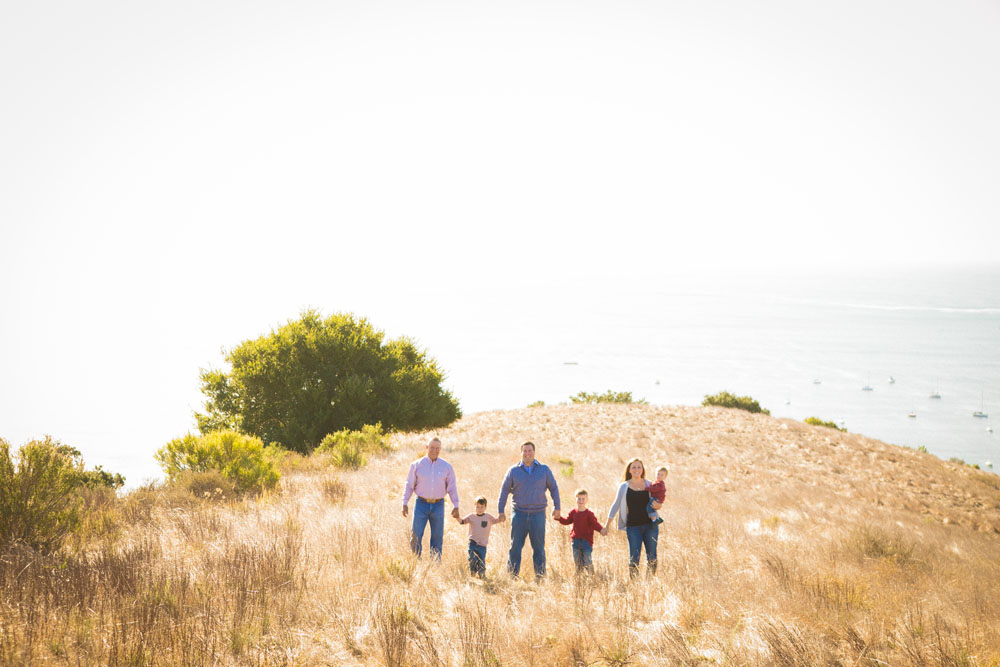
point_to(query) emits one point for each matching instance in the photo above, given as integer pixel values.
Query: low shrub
(208, 484)
(351, 449)
(875, 542)
(241, 459)
(334, 489)
(816, 421)
(537, 404)
(41, 492)
(724, 399)
(607, 397)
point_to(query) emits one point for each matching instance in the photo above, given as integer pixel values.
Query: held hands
(406, 510)
(604, 531)
(555, 515)
(501, 517)
(454, 513)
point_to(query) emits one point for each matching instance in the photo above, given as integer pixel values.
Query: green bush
(40, 492)
(607, 397)
(314, 376)
(816, 421)
(351, 449)
(537, 404)
(726, 400)
(241, 459)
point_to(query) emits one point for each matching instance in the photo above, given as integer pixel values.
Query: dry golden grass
(782, 544)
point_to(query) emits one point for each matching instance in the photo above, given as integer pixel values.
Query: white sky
(178, 176)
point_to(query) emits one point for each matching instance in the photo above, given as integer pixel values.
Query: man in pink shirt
(431, 478)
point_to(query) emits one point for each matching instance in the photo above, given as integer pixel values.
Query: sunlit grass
(782, 544)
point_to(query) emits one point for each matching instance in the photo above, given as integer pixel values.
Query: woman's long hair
(628, 475)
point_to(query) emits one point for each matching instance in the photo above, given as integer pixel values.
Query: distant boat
(868, 385)
(571, 363)
(988, 464)
(936, 393)
(657, 382)
(912, 415)
(892, 380)
(981, 412)
(817, 381)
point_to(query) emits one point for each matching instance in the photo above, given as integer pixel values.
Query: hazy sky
(178, 176)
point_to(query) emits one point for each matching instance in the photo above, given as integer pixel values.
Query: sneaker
(658, 521)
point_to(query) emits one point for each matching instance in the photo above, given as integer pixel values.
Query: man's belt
(430, 500)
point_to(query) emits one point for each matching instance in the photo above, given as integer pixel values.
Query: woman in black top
(631, 502)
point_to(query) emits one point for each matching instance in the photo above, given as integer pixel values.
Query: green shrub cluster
(816, 421)
(351, 449)
(42, 489)
(607, 397)
(318, 375)
(241, 459)
(724, 399)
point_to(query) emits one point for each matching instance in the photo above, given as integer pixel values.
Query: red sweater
(584, 525)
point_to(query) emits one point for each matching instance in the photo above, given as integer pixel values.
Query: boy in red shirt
(584, 526)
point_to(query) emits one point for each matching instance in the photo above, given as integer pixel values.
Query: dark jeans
(477, 558)
(529, 525)
(639, 536)
(424, 513)
(581, 555)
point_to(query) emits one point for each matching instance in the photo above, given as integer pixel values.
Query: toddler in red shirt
(658, 492)
(584, 526)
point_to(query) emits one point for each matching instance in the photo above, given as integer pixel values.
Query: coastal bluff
(739, 459)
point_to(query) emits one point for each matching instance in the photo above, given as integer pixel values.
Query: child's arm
(598, 528)
(568, 519)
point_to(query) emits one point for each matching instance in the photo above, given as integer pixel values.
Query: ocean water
(770, 337)
(674, 340)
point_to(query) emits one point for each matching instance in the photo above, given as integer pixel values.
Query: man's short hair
(434, 439)
(529, 444)
(481, 500)
(581, 492)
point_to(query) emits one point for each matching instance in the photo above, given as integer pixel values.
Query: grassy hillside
(782, 544)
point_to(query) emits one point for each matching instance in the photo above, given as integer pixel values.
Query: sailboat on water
(868, 385)
(936, 393)
(981, 412)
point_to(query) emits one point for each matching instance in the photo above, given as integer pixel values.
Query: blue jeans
(650, 512)
(477, 558)
(532, 526)
(424, 512)
(638, 536)
(581, 555)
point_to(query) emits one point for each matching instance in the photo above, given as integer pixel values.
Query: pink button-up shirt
(431, 479)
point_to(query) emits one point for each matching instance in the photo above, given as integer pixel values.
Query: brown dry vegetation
(782, 544)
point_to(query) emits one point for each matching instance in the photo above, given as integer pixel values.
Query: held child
(658, 492)
(584, 525)
(480, 524)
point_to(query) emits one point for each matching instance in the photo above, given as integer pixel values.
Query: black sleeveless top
(636, 502)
